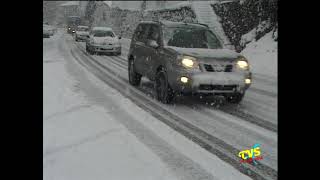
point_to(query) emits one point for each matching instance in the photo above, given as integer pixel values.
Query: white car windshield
(99, 33)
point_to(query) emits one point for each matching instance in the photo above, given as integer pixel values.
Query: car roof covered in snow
(175, 24)
(102, 28)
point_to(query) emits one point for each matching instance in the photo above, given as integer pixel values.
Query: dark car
(72, 23)
(186, 58)
(71, 29)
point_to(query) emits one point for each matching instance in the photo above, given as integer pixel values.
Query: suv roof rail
(160, 21)
(197, 23)
(206, 25)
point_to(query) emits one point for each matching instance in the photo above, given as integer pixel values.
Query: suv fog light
(184, 79)
(247, 81)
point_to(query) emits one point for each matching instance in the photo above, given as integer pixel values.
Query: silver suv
(186, 58)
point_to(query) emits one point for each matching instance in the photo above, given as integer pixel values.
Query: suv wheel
(87, 48)
(164, 93)
(235, 98)
(134, 78)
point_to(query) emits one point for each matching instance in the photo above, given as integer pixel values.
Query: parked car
(186, 58)
(103, 40)
(82, 33)
(50, 30)
(47, 31)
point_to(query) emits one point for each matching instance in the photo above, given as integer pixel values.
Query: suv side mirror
(153, 43)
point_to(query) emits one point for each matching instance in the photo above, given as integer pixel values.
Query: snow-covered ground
(263, 55)
(83, 140)
(93, 132)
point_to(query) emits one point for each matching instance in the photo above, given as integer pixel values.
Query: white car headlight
(242, 63)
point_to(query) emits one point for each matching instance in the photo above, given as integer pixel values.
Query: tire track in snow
(54, 150)
(72, 109)
(212, 144)
(227, 109)
(182, 166)
(263, 92)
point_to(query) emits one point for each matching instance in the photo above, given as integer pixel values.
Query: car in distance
(103, 40)
(72, 23)
(186, 58)
(47, 31)
(81, 33)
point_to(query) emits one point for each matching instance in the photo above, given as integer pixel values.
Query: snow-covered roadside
(82, 140)
(163, 140)
(263, 56)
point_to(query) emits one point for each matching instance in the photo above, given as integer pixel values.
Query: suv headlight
(189, 62)
(242, 63)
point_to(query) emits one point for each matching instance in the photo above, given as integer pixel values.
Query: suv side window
(154, 33)
(141, 32)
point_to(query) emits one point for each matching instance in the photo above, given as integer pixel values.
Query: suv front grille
(228, 68)
(210, 68)
(217, 87)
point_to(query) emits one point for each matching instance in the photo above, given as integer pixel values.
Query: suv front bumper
(210, 82)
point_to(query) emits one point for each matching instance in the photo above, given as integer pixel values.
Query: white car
(48, 30)
(82, 33)
(103, 40)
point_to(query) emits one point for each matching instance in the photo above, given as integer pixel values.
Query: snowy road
(222, 130)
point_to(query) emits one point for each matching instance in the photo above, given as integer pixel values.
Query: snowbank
(177, 6)
(263, 55)
(247, 38)
(71, 3)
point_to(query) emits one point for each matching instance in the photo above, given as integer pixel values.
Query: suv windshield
(190, 37)
(99, 33)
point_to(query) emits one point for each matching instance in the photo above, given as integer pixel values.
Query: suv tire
(87, 48)
(235, 98)
(164, 93)
(134, 78)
